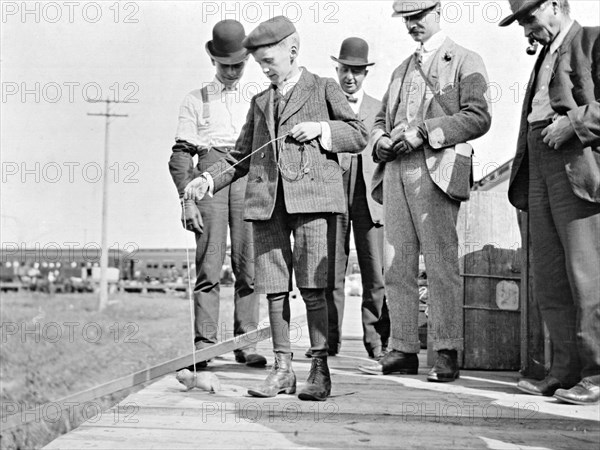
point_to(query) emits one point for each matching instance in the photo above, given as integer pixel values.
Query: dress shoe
(318, 384)
(281, 378)
(545, 387)
(445, 368)
(250, 358)
(393, 362)
(586, 392)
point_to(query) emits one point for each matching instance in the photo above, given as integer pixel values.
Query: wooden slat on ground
(481, 410)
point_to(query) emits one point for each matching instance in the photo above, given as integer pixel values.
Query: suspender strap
(205, 103)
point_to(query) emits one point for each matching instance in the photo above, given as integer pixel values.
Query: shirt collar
(221, 87)
(357, 95)
(288, 85)
(434, 42)
(560, 37)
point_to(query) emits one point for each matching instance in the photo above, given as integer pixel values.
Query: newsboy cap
(226, 44)
(269, 32)
(407, 8)
(519, 8)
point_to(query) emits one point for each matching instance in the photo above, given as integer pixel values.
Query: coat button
(262, 155)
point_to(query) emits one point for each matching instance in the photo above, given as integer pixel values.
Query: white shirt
(541, 108)
(432, 45)
(227, 114)
(358, 95)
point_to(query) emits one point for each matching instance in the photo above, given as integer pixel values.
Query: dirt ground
(56, 345)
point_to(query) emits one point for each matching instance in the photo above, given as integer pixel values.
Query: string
(190, 291)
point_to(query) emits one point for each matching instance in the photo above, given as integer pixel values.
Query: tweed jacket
(460, 79)
(574, 91)
(311, 176)
(369, 108)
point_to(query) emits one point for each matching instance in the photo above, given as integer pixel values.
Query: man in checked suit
(435, 104)
(556, 178)
(363, 216)
(288, 147)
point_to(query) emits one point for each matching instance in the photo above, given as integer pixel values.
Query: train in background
(77, 269)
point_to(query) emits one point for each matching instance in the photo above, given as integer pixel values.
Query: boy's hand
(196, 189)
(306, 131)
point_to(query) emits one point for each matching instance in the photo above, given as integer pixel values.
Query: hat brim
(233, 58)
(409, 13)
(353, 63)
(519, 14)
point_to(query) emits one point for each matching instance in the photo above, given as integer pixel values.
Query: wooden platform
(481, 410)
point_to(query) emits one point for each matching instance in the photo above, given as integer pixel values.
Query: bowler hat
(407, 8)
(354, 52)
(269, 32)
(226, 45)
(519, 8)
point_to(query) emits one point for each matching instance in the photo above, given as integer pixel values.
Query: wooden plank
(151, 373)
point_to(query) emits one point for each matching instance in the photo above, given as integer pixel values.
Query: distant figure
(294, 188)
(210, 121)
(363, 216)
(556, 178)
(434, 105)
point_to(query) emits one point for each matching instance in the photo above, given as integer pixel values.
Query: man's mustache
(414, 30)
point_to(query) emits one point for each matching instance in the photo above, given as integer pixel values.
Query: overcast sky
(57, 54)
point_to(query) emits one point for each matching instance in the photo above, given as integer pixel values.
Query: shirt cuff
(325, 138)
(211, 183)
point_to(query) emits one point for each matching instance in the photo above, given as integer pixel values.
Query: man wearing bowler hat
(288, 148)
(434, 105)
(556, 178)
(363, 215)
(210, 121)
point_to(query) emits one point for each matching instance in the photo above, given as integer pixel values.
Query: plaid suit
(311, 183)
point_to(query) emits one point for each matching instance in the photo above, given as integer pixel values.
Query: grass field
(53, 346)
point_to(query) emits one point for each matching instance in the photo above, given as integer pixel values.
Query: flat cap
(269, 32)
(407, 8)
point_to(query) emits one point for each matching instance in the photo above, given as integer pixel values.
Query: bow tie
(352, 99)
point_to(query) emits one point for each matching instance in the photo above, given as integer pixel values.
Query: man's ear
(212, 61)
(293, 53)
(366, 73)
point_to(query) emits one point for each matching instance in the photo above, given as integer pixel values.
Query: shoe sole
(574, 402)
(397, 372)
(310, 397)
(538, 393)
(436, 379)
(289, 390)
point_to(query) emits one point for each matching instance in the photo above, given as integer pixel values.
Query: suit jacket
(311, 178)
(369, 108)
(574, 91)
(460, 79)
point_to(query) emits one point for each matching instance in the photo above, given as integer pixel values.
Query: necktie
(352, 99)
(419, 55)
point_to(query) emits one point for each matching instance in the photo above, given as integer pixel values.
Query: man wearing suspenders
(210, 120)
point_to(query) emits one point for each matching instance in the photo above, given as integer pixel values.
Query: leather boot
(445, 368)
(318, 384)
(281, 378)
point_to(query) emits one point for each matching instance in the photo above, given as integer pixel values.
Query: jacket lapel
(299, 96)
(565, 45)
(438, 66)
(264, 103)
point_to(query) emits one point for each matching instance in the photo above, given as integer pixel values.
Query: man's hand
(408, 141)
(306, 131)
(196, 189)
(384, 150)
(191, 218)
(558, 132)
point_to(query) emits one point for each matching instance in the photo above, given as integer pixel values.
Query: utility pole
(103, 299)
